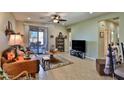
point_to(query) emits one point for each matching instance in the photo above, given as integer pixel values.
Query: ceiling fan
(56, 18)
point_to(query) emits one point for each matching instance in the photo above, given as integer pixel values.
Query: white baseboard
(91, 58)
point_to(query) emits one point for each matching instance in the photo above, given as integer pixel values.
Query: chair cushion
(120, 71)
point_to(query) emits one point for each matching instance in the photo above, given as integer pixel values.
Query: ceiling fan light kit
(57, 19)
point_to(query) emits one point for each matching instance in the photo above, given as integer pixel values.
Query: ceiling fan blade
(62, 20)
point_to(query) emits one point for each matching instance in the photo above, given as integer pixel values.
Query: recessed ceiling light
(90, 12)
(29, 18)
(63, 23)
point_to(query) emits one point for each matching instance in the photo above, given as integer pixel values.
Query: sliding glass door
(36, 41)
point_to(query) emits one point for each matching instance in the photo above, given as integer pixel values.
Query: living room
(40, 32)
(61, 46)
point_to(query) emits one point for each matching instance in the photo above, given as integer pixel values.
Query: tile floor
(81, 69)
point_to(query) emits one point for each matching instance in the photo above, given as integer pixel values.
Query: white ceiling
(71, 17)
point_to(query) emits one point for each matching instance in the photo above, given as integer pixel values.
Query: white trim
(121, 51)
(91, 58)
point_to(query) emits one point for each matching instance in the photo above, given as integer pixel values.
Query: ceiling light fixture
(90, 12)
(63, 23)
(57, 17)
(28, 18)
(52, 17)
(56, 21)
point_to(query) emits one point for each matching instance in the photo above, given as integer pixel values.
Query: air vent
(116, 18)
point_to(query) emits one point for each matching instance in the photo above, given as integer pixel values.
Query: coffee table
(47, 62)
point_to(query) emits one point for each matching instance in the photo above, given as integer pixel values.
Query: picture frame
(51, 36)
(8, 30)
(101, 35)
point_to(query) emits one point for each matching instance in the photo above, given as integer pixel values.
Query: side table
(100, 65)
(46, 63)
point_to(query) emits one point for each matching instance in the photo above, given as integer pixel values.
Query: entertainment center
(78, 48)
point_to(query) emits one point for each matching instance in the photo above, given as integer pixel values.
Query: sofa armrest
(22, 74)
(3, 60)
(17, 67)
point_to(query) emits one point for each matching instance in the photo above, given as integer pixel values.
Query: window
(36, 40)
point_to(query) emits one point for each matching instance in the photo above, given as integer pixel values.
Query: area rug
(57, 62)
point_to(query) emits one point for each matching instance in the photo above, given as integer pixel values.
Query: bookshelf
(60, 40)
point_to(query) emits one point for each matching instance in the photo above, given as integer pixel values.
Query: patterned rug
(58, 61)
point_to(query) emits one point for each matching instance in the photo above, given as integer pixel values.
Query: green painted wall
(88, 30)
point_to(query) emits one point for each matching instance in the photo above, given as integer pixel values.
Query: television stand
(79, 54)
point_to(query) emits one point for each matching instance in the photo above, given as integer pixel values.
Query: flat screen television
(79, 45)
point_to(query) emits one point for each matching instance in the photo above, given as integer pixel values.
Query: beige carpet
(81, 69)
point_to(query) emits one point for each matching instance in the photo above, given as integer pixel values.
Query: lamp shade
(15, 39)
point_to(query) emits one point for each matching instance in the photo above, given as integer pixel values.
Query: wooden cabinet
(100, 65)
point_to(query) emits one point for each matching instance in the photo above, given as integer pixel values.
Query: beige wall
(4, 18)
(20, 27)
(53, 29)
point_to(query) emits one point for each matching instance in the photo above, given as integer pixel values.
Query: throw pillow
(10, 55)
(20, 58)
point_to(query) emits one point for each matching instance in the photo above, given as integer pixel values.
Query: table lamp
(15, 40)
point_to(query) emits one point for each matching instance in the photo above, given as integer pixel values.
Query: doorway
(69, 39)
(108, 33)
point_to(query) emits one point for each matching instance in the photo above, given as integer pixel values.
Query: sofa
(13, 68)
